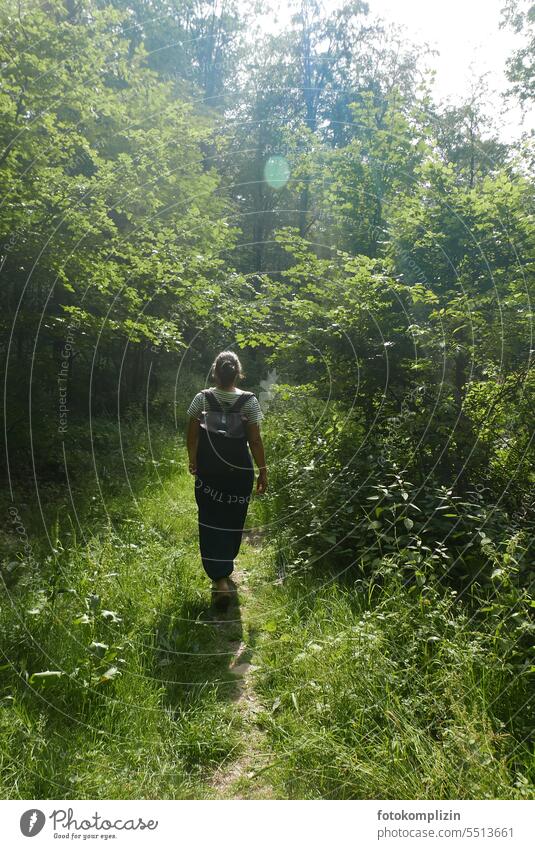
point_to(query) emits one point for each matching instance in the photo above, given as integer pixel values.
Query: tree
(519, 15)
(113, 228)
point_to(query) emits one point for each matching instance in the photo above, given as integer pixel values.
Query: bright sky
(469, 40)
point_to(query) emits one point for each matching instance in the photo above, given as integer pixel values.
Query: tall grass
(388, 691)
(116, 684)
(105, 689)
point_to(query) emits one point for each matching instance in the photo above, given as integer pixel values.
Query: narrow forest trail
(244, 777)
(305, 689)
(218, 651)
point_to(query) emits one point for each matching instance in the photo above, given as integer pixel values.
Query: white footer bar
(263, 824)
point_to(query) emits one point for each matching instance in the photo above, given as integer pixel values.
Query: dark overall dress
(223, 485)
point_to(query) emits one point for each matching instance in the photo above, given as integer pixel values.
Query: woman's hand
(192, 467)
(262, 482)
(257, 449)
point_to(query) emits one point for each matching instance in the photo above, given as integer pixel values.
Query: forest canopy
(176, 181)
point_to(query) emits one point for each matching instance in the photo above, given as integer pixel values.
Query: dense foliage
(175, 181)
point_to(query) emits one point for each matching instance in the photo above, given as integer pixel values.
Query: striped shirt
(251, 408)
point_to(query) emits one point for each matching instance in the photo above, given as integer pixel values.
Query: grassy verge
(112, 686)
(387, 692)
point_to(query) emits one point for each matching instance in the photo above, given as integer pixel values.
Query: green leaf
(99, 649)
(43, 676)
(82, 620)
(111, 616)
(110, 674)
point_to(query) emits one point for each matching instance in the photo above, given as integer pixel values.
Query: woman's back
(219, 456)
(227, 398)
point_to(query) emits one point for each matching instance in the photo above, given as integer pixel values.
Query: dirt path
(240, 778)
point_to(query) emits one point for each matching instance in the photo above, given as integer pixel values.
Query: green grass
(386, 692)
(367, 690)
(143, 714)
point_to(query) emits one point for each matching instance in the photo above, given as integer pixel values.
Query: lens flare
(276, 172)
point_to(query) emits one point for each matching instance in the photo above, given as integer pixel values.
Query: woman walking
(224, 424)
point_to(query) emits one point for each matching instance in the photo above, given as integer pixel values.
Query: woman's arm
(192, 441)
(257, 450)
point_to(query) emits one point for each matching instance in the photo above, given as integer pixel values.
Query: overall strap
(213, 403)
(240, 401)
